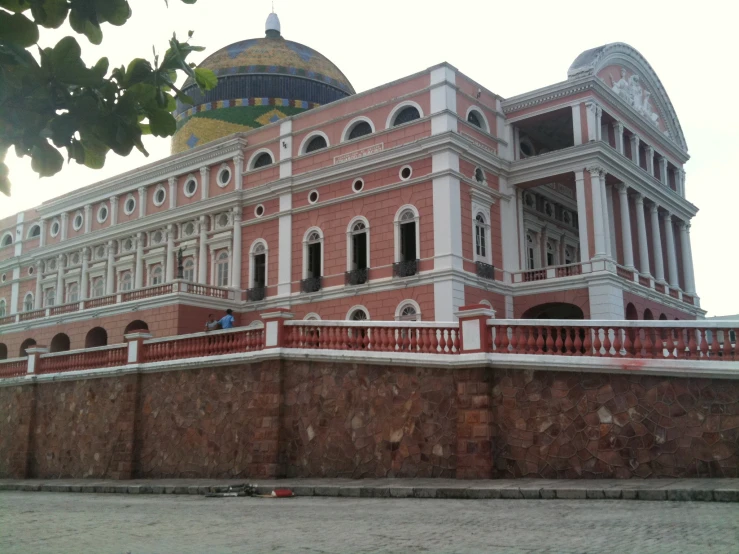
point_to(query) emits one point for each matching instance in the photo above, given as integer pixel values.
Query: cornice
(546, 94)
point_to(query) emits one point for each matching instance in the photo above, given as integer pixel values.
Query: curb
(676, 494)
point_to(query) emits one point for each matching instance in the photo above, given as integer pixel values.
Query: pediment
(625, 71)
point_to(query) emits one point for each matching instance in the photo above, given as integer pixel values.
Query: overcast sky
(509, 47)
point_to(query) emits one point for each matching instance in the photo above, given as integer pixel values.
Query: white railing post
(473, 328)
(34, 354)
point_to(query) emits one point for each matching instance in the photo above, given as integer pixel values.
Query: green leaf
(189, 1)
(16, 6)
(50, 13)
(162, 123)
(17, 29)
(4, 181)
(46, 160)
(205, 78)
(115, 12)
(62, 128)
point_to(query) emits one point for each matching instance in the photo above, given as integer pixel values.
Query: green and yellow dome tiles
(260, 81)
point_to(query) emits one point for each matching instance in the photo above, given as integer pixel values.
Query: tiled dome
(259, 81)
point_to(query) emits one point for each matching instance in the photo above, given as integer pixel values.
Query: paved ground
(41, 522)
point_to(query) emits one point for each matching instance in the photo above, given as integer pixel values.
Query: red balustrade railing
(35, 314)
(389, 337)
(93, 358)
(204, 344)
(65, 309)
(569, 270)
(7, 319)
(624, 273)
(13, 368)
(618, 340)
(534, 275)
(148, 292)
(207, 290)
(688, 299)
(100, 301)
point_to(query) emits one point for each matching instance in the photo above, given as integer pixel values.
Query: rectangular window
(222, 274)
(531, 258)
(260, 271)
(314, 260)
(480, 247)
(408, 242)
(359, 251)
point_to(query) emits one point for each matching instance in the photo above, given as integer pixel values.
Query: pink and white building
(403, 202)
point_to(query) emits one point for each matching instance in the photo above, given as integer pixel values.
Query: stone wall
(321, 419)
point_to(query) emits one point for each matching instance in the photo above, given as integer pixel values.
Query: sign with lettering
(357, 154)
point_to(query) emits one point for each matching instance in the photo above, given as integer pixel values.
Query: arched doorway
(631, 313)
(554, 310)
(648, 315)
(136, 325)
(97, 336)
(60, 343)
(28, 343)
(3, 351)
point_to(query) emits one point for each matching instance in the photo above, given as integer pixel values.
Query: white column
(168, 263)
(635, 148)
(687, 252)
(37, 300)
(543, 247)
(641, 227)
(172, 193)
(598, 122)
(204, 182)
(142, 201)
(236, 257)
(110, 276)
(521, 230)
(114, 210)
(671, 254)
(203, 251)
(680, 176)
(238, 171)
(663, 170)
(582, 217)
(659, 265)
(590, 113)
(623, 195)
(284, 249)
(59, 293)
(649, 152)
(83, 274)
(576, 124)
(610, 218)
(618, 132)
(65, 225)
(598, 211)
(138, 280)
(88, 218)
(42, 236)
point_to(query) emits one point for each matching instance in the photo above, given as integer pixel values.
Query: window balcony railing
(406, 268)
(311, 284)
(256, 294)
(357, 276)
(485, 271)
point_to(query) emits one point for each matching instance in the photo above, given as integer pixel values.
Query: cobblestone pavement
(137, 524)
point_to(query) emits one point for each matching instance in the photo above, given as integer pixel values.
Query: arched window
(551, 259)
(125, 283)
(358, 252)
(359, 129)
(408, 310)
(357, 313)
(258, 277)
(49, 298)
(98, 288)
(312, 316)
(34, 232)
(188, 270)
(406, 115)
(155, 277)
(482, 238)
(648, 316)
(97, 336)
(3, 351)
(28, 303)
(7, 240)
(406, 242)
(312, 260)
(28, 343)
(136, 325)
(318, 142)
(3, 308)
(73, 293)
(222, 266)
(262, 160)
(530, 252)
(60, 343)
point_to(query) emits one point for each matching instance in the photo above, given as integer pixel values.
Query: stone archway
(60, 343)
(554, 310)
(631, 313)
(28, 343)
(97, 336)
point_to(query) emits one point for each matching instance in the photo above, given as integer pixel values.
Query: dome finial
(272, 27)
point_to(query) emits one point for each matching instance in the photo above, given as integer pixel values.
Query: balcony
(357, 276)
(407, 268)
(485, 271)
(256, 294)
(311, 284)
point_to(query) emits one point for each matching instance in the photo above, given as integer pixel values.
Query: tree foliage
(54, 101)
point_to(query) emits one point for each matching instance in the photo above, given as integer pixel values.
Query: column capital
(639, 198)
(596, 170)
(619, 126)
(88, 208)
(684, 225)
(204, 171)
(170, 229)
(113, 200)
(591, 105)
(38, 264)
(667, 216)
(623, 188)
(654, 208)
(649, 148)
(111, 243)
(142, 190)
(172, 181)
(85, 251)
(64, 216)
(60, 258)
(236, 210)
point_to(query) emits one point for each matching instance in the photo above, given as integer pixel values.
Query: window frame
(221, 170)
(484, 212)
(29, 235)
(255, 156)
(222, 269)
(357, 308)
(252, 255)
(26, 298)
(6, 235)
(303, 150)
(407, 303)
(396, 227)
(480, 115)
(307, 243)
(128, 199)
(78, 215)
(390, 123)
(125, 277)
(352, 124)
(190, 179)
(350, 234)
(156, 192)
(3, 307)
(156, 272)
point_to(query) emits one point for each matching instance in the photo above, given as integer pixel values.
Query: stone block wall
(324, 419)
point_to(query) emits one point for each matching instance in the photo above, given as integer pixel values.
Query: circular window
(224, 177)
(406, 172)
(191, 185)
(357, 185)
(159, 196)
(189, 229)
(223, 220)
(77, 222)
(259, 211)
(130, 205)
(313, 196)
(102, 214)
(157, 237)
(75, 258)
(54, 230)
(30, 270)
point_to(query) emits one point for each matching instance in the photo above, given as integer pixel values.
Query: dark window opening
(314, 260)
(474, 119)
(406, 115)
(408, 241)
(28, 343)
(316, 143)
(359, 251)
(97, 336)
(260, 269)
(60, 343)
(263, 160)
(360, 129)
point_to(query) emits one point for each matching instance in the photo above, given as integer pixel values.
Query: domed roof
(259, 81)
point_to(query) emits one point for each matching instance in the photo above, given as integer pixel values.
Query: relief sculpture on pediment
(635, 95)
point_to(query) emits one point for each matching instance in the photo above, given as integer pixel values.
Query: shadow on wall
(554, 310)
